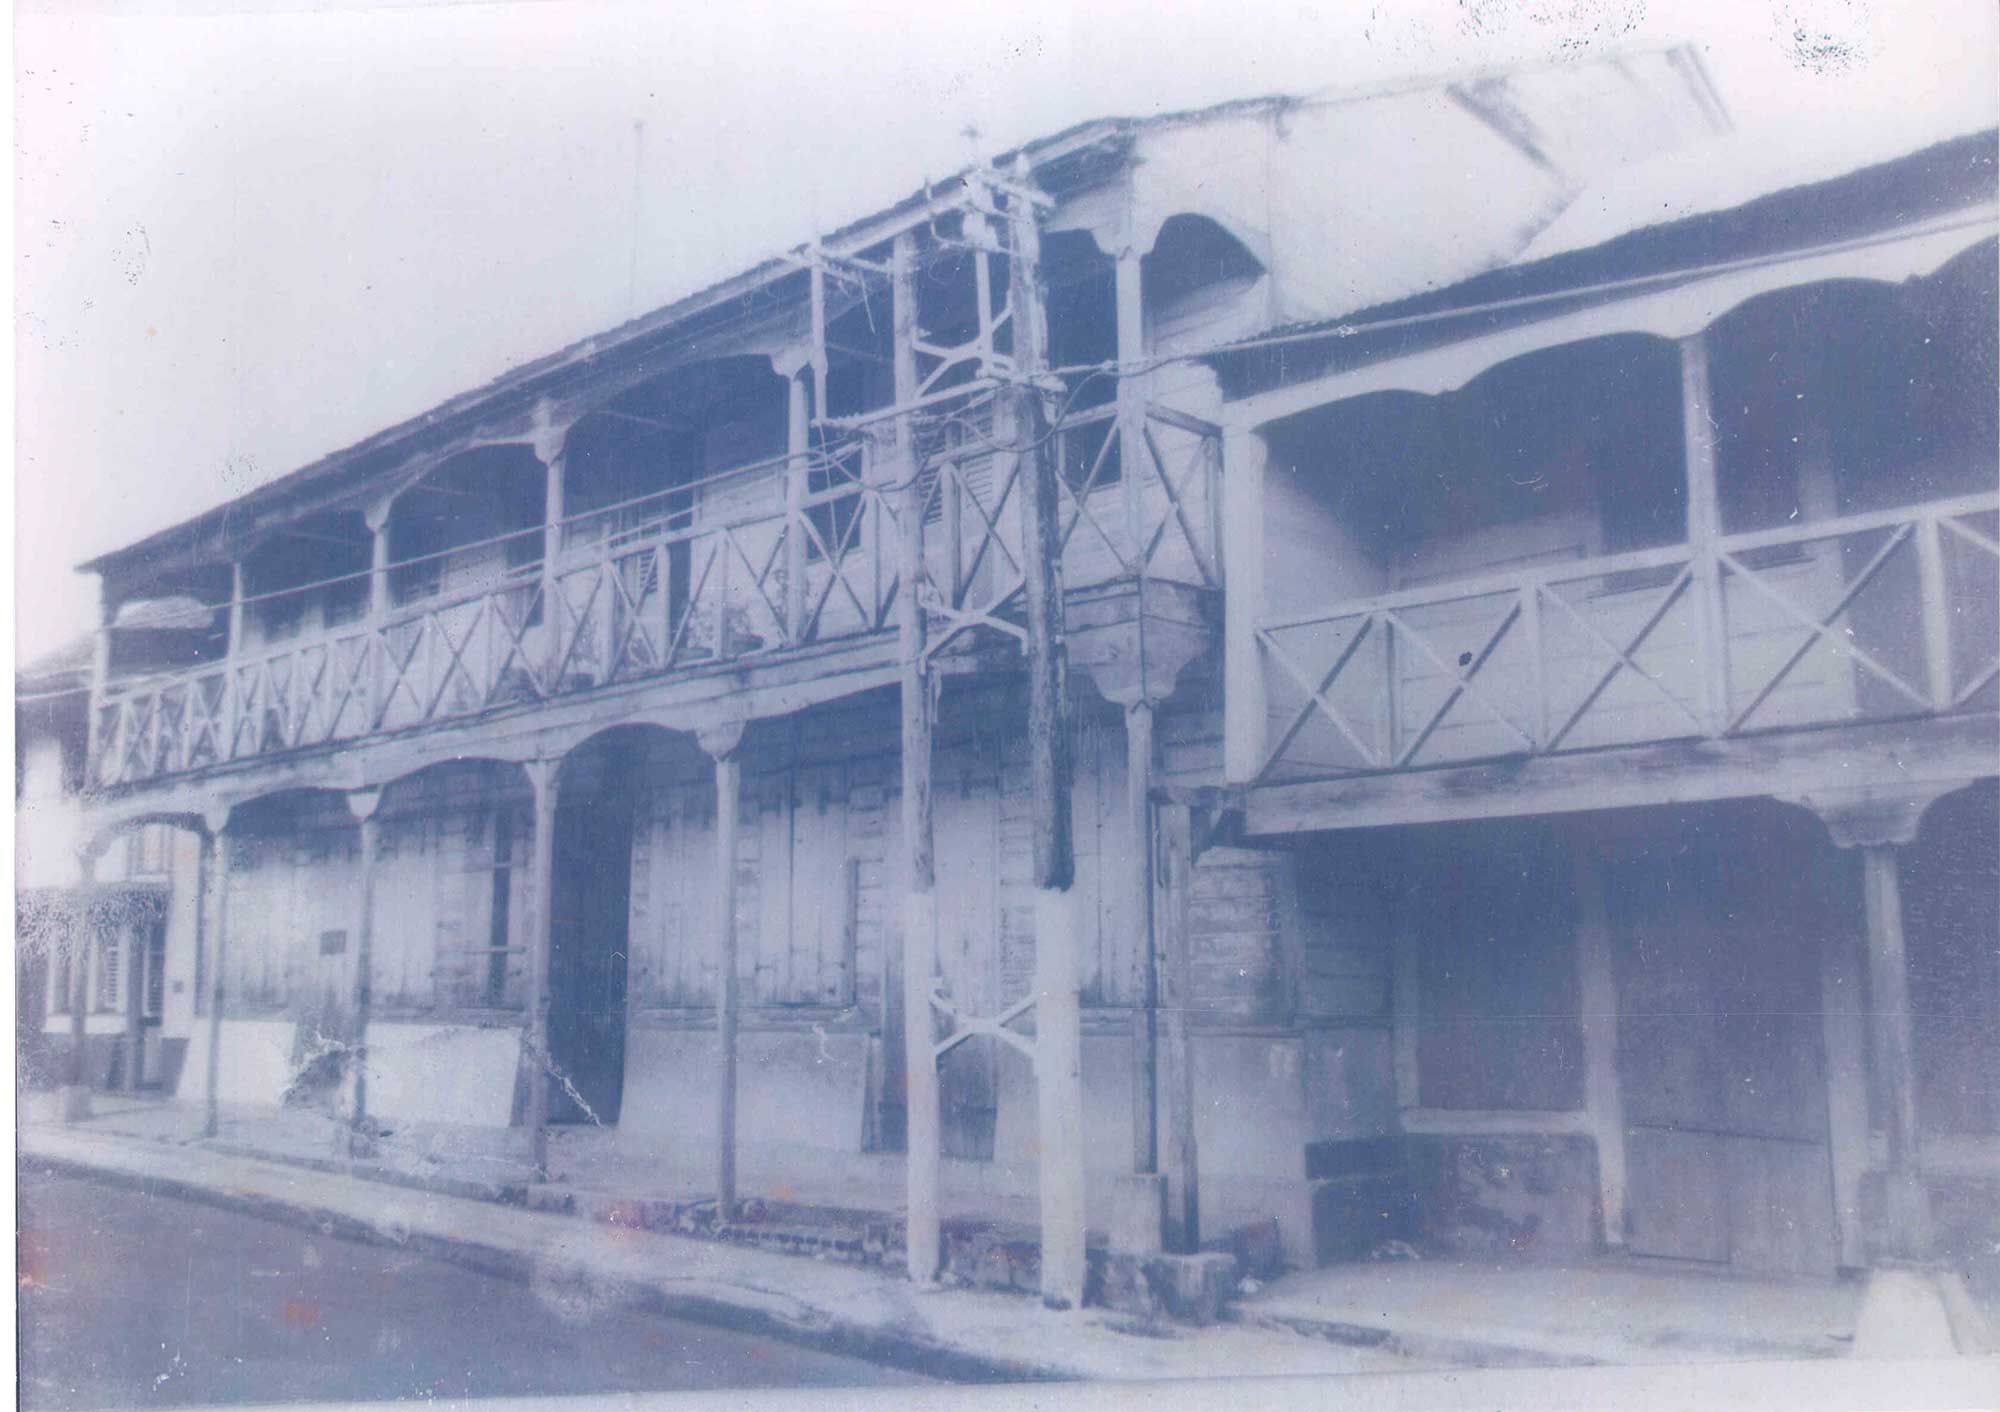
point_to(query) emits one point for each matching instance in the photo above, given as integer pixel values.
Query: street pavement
(132, 1300)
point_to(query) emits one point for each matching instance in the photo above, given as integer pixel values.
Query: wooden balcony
(634, 597)
(1865, 618)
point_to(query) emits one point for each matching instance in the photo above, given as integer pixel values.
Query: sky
(248, 234)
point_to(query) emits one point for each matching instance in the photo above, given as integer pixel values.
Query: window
(833, 518)
(110, 964)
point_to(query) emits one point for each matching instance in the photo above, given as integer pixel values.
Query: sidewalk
(839, 1264)
(962, 1334)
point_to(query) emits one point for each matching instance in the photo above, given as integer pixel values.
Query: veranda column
(76, 1091)
(1173, 929)
(1879, 824)
(798, 443)
(363, 803)
(542, 779)
(215, 849)
(1058, 967)
(721, 743)
(548, 445)
(922, 1123)
(1704, 528)
(135, 995)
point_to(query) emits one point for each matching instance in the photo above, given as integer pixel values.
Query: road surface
(128, 1300)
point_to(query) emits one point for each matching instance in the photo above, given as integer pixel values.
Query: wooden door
(1721, 1060)
(588, 963)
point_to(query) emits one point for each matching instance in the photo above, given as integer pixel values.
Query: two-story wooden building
(1529, 731)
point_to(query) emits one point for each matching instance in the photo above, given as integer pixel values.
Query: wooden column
(1907, 1202)
(548, 450)
(377, 519)
(1244, 716)
(363, 803)
(83, 935)
(1844, 1035)
(1173, 928)
(135, 999)
(1603, 1098)
(1132, 391)
(1704, 528)
(1146, 1010)
(215, 849)
(798, 445)
(1058, 966)
(1878, 824)
(100, 673)
(231, 694)
(721, 743)
(922, 1118)
(542, 780)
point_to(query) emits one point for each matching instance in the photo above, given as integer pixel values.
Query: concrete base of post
(75, 1103)
(1906, 1315)
(1139, 1214)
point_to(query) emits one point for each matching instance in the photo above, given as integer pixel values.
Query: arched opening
(653, 465)
(307, 578)
(1564, 456)
(289, 952)
(474, 521)
(1846, 399)
(599, 790)
(1195, 271)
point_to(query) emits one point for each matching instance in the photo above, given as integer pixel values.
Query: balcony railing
(1861, 618)
(642, 592)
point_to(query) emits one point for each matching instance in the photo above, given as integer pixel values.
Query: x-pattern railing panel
(1610, 651)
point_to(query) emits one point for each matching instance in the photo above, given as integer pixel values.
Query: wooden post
(1132, 452)
(215, 850)
(378, 563)
(1245, 722)
(721, 742)
(1704, 528)
(549, 451)
(83, 936)
(1844, 1035)
(100, 674)
(1907, 1208)
(1058, 967)
(542, 780)
(1877, 823)
(363, 803)
(1146, 1007)
(1173, 920)
(1936, 607)
(922, 1119)
(798, 446)
(1603, 1098)
(135, 999)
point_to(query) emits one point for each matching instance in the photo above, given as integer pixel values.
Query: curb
(738, 1309)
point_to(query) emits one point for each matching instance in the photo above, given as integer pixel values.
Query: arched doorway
(590, 921)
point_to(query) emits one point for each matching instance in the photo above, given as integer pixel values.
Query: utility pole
(1058, 970)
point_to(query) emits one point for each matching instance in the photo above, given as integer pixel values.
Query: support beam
(1058, 967)
(363, 804)
(542, 781)
(135, 1001)
(1878, 824)
(377, 520)
(83, 935)
(1146, 1011)
(798, 446)
(215, 862)
(1245, 720)
(1704, 525)
(100, 669)
(721, 743)
(919, 708)
(1844, 1035)
(1906, 1212)
(1174, 920)
(549, 451)
(1603, 1096)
